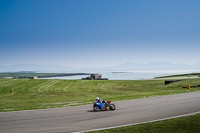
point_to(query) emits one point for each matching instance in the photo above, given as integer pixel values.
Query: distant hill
(59, 68)
(34, 67)
(19, 72)
(152, 65)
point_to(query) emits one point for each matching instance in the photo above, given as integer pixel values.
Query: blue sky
(98, 33)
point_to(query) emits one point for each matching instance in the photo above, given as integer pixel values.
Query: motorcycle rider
(102, 101)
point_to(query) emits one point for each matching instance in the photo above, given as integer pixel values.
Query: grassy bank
(190, 124)
(180, 75)
(40, 75)
(26, 94)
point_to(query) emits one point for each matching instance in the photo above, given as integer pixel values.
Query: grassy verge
(26, 94)
(180, 75)
(40, 75)
(190, 124)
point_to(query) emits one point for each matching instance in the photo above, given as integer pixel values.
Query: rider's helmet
(97, 99)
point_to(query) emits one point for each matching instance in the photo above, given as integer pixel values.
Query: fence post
(188, 86)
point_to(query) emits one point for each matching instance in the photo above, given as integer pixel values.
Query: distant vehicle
(87, 78)
(95, 77)
(99, 106)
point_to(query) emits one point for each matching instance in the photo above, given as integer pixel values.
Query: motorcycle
(99, 106)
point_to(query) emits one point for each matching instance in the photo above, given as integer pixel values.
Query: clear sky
(92, 33)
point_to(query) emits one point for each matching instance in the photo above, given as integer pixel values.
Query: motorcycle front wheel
(112, 106)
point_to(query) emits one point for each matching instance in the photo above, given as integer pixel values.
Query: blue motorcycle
(99, 106)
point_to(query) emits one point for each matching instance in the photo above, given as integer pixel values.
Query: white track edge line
(139, 123)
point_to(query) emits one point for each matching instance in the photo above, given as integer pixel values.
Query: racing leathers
(102, 101)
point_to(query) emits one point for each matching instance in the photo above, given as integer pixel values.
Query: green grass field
(180, 75)
(40, 75)
(189, 124)
(26, 94)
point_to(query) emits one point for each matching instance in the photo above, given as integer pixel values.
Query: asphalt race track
(83, 118)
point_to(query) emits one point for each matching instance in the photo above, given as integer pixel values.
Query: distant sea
(132, 74)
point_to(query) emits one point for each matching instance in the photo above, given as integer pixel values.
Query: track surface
(82, 118)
